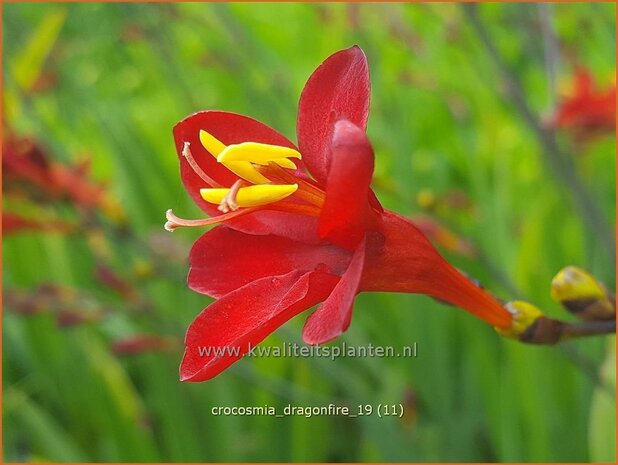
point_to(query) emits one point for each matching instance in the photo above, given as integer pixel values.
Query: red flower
(289, 241)
(588, 111)
(143, 343)
(27, 168)
(13, 223)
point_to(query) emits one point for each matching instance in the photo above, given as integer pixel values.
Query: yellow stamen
(246, 171)
(285, 163)
(251, 196)
(238, 158)
(255, 152)
(211, 143)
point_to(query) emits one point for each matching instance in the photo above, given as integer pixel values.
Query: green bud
(581, 294)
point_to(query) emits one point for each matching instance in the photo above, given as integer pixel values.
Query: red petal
(291, 225)
(583, 82)
(333, 317)
(346, 214)
(245, 317)
(223, 260)
(401, 259)
(338, 89)
(14, 223)
(229, 128)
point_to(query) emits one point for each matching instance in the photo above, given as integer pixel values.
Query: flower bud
(530, 325)
(581, 294)
(524, 316)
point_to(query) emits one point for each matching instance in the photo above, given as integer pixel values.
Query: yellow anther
(252, 196)
(285, 163)
(256, 152)
(246, 171)
(211, 143)
(242, 169)
(239, 158)
(524, 316)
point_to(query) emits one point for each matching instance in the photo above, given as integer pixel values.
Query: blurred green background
(94, 317)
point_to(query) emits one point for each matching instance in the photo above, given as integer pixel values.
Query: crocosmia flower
(27, 169)
(298, 225)
(587, 111)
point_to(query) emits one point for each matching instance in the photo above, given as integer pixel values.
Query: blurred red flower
(142, 343)
(15, 223)
(27, 169)
(587, 111)
(289, 241)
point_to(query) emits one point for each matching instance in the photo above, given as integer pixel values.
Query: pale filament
(306, 191)
(229, 206)
(229, 201)
(186, 153)
(174, 221)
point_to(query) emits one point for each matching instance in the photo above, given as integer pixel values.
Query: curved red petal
(291, 225)
(232, 128)
(333, 317)
(374, 202)
(584, 83)
(346, 214)
(224, 259)
(232, 325)
(229, 128)
(338, 89)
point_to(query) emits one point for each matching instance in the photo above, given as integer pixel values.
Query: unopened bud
(530, 325)
(524, 316)
(581, 294)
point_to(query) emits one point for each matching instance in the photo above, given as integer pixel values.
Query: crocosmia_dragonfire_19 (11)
(299, 225)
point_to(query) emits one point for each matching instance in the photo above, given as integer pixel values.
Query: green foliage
(123, 74)
(602, 416)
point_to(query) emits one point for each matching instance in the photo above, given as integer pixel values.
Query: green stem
(587, 328)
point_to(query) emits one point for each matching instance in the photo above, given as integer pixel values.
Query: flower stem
(587, 328)
(548, 331)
